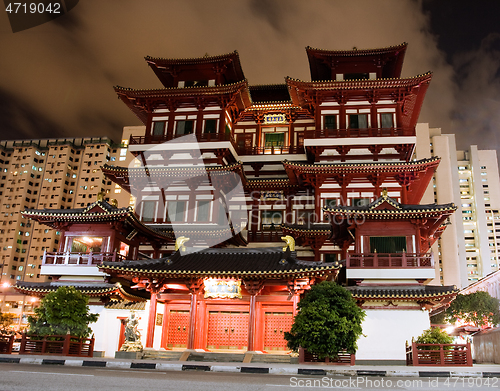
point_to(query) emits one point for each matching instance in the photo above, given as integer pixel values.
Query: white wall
(107, 328)
(387, 331)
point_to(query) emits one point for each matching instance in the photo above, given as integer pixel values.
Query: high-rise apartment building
(469, 248)
(45, 174)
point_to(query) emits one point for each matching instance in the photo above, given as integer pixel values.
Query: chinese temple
(225, 171)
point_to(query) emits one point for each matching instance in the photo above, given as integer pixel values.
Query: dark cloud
(62, 72)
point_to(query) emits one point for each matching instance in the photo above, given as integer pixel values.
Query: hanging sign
(275, 119)
(222, 289)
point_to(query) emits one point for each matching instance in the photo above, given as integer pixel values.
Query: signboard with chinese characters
(272, 195)
(222, 289)
(275, 118)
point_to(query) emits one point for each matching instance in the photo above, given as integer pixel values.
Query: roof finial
(290, 242)
(100, 195)
(384, 192)
(179, 243)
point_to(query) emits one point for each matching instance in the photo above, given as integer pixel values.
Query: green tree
(434, 335)
(6, 319)
(63, 311)
(328, 321)
(478, 309)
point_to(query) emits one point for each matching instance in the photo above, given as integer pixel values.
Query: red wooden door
(178, 329)
(227, 330)
(276, 323)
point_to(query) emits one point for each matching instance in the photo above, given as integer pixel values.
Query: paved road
(17, 377)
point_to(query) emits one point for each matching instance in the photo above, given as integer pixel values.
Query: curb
(404, 372)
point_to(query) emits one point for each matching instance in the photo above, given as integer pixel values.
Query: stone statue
(132, 335)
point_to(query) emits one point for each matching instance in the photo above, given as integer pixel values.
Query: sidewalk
(478, 370)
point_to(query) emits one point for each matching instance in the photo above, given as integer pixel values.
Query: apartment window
(386, 120)
(358, 121)
(203, 211)
(330, 122)
(184, 127)
(176, 210)
(210, 125)
(159, 128)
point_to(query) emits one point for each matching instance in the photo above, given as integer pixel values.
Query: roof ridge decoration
(243, 82)
(204, 58)
(414, 163)
(356, 51)
(370, 83)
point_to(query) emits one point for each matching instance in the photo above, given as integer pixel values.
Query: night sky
(57, 79)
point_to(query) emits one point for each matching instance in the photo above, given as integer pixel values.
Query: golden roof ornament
(100, 196)
(290, 242)
(179, 243)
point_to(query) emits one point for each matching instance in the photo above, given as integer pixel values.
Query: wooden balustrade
(265, 236)
(431, 354)
(59, 345)
(77, 258)
(6, 344)
(389, 260)
(158, 139)
(367, 132)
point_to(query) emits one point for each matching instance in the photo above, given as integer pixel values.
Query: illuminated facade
(326, 165)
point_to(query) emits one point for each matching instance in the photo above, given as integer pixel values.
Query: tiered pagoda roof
(141, 102)
(97, 212)
(127, 177)
(386, 62)
(225, 67)
(97, 289)
(255, 263)
(416, 174)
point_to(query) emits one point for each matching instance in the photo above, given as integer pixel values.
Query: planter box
(342, 359)
(427, 354)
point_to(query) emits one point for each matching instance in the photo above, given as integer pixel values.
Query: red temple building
(225, 171)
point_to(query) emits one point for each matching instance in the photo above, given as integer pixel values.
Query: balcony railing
(277, 150)
(389, 261)
(265, 236)
(85, 259)
(367, 132)
(158, 139)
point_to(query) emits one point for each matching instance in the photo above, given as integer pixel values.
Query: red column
(151, 321)
(251, 324)
(253, 288)
(192, 320)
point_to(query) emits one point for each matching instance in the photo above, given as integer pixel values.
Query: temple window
(85, 244)
(330, 202)
(158, 128)
(330, 122)
(386, 120)
(210, 125)
(176, 211)
(271, 219)
(148, 210)
(358, 121)
(360, 202)
(356, 76)
(203, 211)
(184, 127)
(387, 244)
(274, 140)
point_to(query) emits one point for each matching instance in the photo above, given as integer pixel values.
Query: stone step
(271, 358)
(168, 355)
(216, 357)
